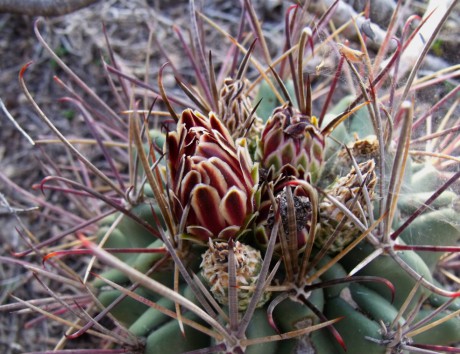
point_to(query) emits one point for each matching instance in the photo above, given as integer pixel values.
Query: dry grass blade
(289, 335)
(399, 166)
(65, 322)
(151, 178)
(162, 309)
(64, 140)
(426, 48)
(433, 324)
(352, 245)
(151, 284)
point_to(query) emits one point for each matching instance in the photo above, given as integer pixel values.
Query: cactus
(252, 224)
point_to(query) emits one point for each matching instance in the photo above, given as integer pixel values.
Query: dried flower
(302, 210)
(348, 190)
(214, 269)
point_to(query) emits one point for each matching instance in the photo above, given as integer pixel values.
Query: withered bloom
(248, 263)
(349, 191)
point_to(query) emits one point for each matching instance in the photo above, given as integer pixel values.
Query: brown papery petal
(272, 141)
(233, 206)
(217, 125)
(191, 179)
(205, 203)
(200, 232)
(232, 174)
(211, 149)
(214, 176)
(229, 232)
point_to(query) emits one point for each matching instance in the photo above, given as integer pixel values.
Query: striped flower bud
(212, 178)
(235, 110)
(292, 144)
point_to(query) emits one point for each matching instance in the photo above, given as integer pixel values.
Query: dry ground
(78, 39)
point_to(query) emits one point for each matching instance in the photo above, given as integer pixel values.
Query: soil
(79, 41)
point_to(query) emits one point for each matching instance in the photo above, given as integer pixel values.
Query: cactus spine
(264, 227)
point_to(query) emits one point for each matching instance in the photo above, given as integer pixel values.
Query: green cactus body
(408, 203)
(426, 178)
(290, 315)
(128, 310)
(335, 272)
(366, 309)
(438, 300)
(151, 319)
(269, 99)
(374, 305)
(135, 233)
(145, 261)
(436, 228)
(387, 268)
(354, 328)
(117, 239)
(445, 333)
(170, 339)
(258, 328)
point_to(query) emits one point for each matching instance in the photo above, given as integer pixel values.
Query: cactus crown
(267, 214)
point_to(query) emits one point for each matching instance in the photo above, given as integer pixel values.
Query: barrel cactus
(268, 215)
